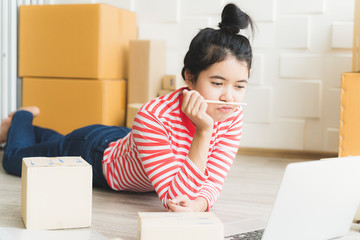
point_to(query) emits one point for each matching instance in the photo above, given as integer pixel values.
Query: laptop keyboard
(253, 235)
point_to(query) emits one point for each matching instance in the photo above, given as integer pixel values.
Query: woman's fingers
(191, 102)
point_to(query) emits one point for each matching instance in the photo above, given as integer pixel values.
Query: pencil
(226, 103)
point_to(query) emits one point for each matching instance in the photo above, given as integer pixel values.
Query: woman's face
(224, 81)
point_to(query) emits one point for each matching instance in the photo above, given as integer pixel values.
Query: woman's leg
(22, 142)
(6, 123)
(46, 135)
(88, 142)
(4, 128)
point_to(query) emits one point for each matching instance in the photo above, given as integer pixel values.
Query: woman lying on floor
(180, 146)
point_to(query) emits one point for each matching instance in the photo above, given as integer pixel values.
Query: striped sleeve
(169, 176)
(221, 159)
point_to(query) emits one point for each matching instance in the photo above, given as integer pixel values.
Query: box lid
(55, 161)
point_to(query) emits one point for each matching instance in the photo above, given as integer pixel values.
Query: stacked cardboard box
(349, 140)
(171, 83)
(74, 62)
(147, 66)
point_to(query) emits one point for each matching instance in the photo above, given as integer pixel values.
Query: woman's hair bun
(233, 19)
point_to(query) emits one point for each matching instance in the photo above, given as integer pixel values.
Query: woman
(180, 146)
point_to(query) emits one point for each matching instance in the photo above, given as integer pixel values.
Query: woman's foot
(5, 125)
(33, 109)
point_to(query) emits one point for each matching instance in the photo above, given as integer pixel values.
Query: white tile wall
(339, 30)
(163, 11)
(265, 35)
(300, 50)
(340, 10)
(200, 7)
(257, 69)
(280, 134)
(190, 26)
(261, 10)
(332, 139)
(170, 32)
(308, 66)
(331, 108)
(303, 6)
(334, 66)
(314, 137)
(258, 98)
(293, 32)
(298, 99)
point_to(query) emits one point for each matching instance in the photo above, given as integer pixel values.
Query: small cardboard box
(131, 112)
(179, 226)
(75, 41)
(146, 68)
(172, 82)
(163, 92)
(56, 193)
(68, 104)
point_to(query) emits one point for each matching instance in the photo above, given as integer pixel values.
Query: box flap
(54, 161)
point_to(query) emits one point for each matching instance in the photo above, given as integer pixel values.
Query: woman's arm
(171, 173)
(195, 108)
(182, 203)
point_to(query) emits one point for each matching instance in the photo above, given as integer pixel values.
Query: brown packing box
(67, 104)
(356, 41)
(172, 82)
(349, 131)
(75, 41)
(146, 68)
(131, 112)
(349, 139)
(163, 92)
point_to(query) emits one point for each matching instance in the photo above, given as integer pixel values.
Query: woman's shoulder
(165, 104)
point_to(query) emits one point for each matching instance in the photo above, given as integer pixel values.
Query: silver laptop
(316, 200)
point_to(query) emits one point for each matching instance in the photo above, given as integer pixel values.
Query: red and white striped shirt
(154, 155)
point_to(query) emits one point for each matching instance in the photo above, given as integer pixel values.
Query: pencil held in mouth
(226, 103)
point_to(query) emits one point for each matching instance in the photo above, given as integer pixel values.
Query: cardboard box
(173, 82)
(179, 226)
(56, 193)
(146, 69)
(68, 104)
(75, 41)
(163, 92)
(356, 41)
(131, 112)
(357, 215)
(349, 131)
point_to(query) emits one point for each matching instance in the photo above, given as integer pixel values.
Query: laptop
(316, 200)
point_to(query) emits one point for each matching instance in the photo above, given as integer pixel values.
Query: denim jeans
(26, 140)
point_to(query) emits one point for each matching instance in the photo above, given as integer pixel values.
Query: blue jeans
(26, 140)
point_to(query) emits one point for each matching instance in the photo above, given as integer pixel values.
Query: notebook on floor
(316, 200)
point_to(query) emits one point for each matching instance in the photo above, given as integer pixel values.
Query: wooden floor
(249, 192)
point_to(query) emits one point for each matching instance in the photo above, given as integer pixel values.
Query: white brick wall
(300, 50)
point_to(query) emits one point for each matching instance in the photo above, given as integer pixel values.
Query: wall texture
(301, 47)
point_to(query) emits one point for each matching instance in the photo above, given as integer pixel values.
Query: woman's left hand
(182, 203)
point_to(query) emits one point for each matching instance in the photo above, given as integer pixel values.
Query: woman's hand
(182, 203)
(195, 108)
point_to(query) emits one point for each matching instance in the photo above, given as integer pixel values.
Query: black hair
(215, 45)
